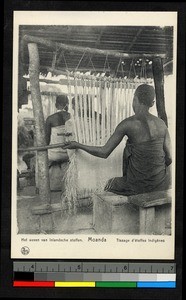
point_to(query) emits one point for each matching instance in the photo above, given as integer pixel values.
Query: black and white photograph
(94, 135)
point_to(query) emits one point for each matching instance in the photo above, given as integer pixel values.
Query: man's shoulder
(129, 120)
(49, 118)
(57, 115)
(158, 120)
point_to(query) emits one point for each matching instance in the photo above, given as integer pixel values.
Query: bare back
(55, 120)
(58, 118)
(144, 128)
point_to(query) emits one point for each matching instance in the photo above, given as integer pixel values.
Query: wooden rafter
(54, 45)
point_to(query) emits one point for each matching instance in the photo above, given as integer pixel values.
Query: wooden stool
(153, 209)
(138, 214)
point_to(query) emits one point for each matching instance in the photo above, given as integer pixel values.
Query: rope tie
(143, 69)
(64, 60)
(118, 66)
(80, 61)
(104, 67)
(92, 64)
(55, 53)
(130, 68)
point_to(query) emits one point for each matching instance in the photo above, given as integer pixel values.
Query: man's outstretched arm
(102, 151)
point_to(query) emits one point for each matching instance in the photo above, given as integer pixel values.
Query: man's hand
(71, 145)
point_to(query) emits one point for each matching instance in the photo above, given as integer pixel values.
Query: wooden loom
(100, 105)
(87, 126)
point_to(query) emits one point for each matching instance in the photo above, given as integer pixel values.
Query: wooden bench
(152, 210)
(139, 214)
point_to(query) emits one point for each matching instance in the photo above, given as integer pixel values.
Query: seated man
(55, 134)
(147, 153)
(55, 130)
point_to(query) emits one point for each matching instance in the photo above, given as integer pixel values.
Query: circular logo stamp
(25, 250)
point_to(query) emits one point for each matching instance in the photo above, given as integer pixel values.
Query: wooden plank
(151, 199)
(112, 199)
(147, 219)
(160, 220)
(144, 203)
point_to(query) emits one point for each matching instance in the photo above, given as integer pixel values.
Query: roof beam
(55, 45)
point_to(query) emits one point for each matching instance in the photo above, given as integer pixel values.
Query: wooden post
(43, 173)
(157, 69)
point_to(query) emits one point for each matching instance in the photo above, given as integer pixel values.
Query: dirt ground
(61, 222)
(81, 222)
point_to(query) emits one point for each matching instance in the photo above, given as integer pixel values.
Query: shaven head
(62, 102)
(145, 94)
